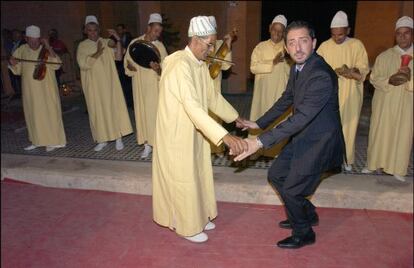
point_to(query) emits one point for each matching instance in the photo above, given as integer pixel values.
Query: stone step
(248, 186)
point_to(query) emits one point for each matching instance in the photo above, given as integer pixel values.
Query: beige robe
(217, 87)
(41, 100)
(145, 91)
(391, 128)
(350, 94)
(183, 190)
(108, 114)
(269, 83)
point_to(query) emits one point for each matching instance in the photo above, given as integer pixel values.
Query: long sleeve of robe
(41, 100)
(352, 53)
(108, 114)
(269, 83)
(145, 92)
(217, 88)
(183, 189)
(391, 128)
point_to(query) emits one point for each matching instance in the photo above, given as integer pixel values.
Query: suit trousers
(294, 188)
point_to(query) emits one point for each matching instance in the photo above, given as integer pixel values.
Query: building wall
(375, 24)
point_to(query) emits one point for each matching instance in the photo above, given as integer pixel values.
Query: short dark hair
(298, 24)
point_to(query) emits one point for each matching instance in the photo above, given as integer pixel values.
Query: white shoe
(31, 147)
(147, 151)
(210, 226)
(50, 148)
(348, 167)
(100, 146)
(119, 145)
(365, 170)
(198, 238)
(398, 177)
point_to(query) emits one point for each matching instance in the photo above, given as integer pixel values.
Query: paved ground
(80, 143)
(45, 227)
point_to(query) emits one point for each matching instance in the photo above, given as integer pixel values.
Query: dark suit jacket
(126, 38)
(314, 127)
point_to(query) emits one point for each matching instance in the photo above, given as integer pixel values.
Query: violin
(217, 59)
(39, 72)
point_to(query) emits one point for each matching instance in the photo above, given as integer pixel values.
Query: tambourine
(143, 52)
(399, 78)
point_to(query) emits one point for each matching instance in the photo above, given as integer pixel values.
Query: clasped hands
(350, 73)
(242, 148)
(401, 76)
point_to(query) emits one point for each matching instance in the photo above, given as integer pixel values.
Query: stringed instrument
(215, 61)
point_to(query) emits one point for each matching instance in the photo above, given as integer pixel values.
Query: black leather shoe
(286, 223)
(297, 241)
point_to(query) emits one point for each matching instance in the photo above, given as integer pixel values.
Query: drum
(143, 52)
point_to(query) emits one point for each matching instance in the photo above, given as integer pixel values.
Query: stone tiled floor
(80, 143)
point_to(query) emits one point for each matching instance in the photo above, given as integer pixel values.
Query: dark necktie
(296, 74)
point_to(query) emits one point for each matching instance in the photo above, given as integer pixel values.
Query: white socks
(119, 145)
(147, 151)
(100, 146)
(348, 167)
(30, 147)
(209, 226)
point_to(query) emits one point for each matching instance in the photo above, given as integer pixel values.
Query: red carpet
(46, 227)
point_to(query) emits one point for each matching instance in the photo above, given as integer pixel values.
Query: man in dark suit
(316, 142)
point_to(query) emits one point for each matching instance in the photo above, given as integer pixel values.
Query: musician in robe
(41, 100)
(348, 57)
(271, 71)
(108, 114)
(183, 187)
(145, 83)
(219, 150)
(391, 129)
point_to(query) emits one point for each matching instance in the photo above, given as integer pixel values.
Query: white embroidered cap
(91, 19)
(213, 21)
(280, 19)
(404, 22)
(33, 31)
(201, 26)
(155, 17)
(339, 20)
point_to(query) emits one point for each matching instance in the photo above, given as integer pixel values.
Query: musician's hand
(397, 80)
(156, 67)
(45, 42)
(245, 124)
(13, 61)
(131, 67)
(280, 57)
(253, 147)
(236, 144)
(228, 40)
(405, 70)
(113, 33)
(99, 50)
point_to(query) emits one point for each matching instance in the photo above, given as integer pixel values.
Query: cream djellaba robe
(217, 88)
(391, 129)
(183, 189)
(145, 91)
(108, 114)
(269, 83)
(351, 92)
(41, 100)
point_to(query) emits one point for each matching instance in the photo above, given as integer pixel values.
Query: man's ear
(348, 31)
(314, 43)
